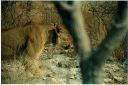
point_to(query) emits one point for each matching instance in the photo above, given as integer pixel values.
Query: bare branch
(91, 64)
(73, 20)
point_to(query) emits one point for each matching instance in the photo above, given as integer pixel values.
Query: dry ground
(60, 66)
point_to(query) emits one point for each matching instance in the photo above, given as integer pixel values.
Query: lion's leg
(31, 59)
(35, 44)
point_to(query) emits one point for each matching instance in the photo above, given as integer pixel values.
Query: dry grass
(58, 67)
(57, 64)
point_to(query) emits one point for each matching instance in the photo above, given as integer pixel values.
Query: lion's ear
(55, 24)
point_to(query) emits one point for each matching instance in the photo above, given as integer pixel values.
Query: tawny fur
(27, 42)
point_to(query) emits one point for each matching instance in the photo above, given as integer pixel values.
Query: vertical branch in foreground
(91, 64)
(73, 20)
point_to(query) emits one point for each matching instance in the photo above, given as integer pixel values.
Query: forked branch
(91, 62)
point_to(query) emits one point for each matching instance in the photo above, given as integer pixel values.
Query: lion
(27, 42)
